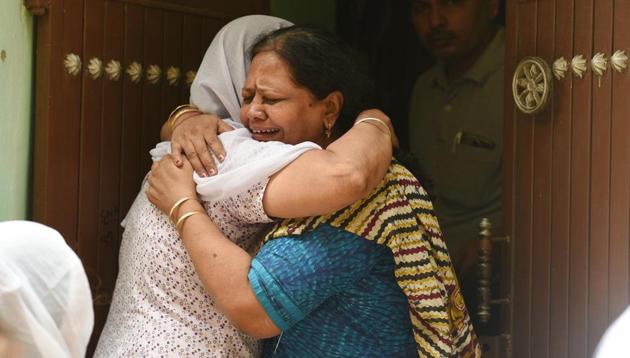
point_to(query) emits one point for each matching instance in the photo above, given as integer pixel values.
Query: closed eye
(267, 100)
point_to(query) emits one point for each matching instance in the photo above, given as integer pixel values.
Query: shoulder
(399, 178)
(493, 61)
(495, 80)
(425, 80)
(424, 95)
(395, 202)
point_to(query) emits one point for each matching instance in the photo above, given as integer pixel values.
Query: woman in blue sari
(370, 280)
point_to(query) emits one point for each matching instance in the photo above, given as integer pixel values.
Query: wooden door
(567, 179)
(93, 130)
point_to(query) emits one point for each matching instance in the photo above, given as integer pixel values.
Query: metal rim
(532, 85)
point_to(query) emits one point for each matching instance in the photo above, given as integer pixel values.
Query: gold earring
(328, 132)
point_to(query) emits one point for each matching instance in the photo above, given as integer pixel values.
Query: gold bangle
(176, 205)
(178, 116)
(376, 121)
(175, 112)
(177, 109)
(182, 219)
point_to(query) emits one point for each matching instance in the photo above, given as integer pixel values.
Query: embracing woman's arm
(323, 181)
(223, 268)
(319, 181)
(221, 265)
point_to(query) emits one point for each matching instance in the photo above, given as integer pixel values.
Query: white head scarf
(614, 343)
(45, 300)
(217, 90)
(220, 78)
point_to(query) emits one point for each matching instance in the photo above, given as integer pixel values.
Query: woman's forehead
(268, 71)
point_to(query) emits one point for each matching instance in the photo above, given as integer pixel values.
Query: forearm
(223, 267)
(323, 181)
(366, 153)
(166, 132)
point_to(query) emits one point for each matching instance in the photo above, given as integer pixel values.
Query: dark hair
(322, 63)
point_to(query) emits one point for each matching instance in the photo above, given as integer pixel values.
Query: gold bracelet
(177, 109)
(178, 116)
(182, 219)
(376, 121)
(176, 205)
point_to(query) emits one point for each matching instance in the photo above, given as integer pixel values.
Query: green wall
(16, 110)
(321, 12)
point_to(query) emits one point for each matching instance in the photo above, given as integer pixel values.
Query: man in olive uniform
(456, 116)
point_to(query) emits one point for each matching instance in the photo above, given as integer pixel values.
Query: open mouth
(265, 131)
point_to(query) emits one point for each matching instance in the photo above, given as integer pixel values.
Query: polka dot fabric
(159, 307)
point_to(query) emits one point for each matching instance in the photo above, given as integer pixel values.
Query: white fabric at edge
(614, 343)
(45, 299)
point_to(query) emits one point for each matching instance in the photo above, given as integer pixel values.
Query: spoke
(522, 94)
(529, 99)
(527, 74)
(537, 97)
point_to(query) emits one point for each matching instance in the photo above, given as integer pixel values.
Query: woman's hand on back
(169, 183)
(196, 137)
